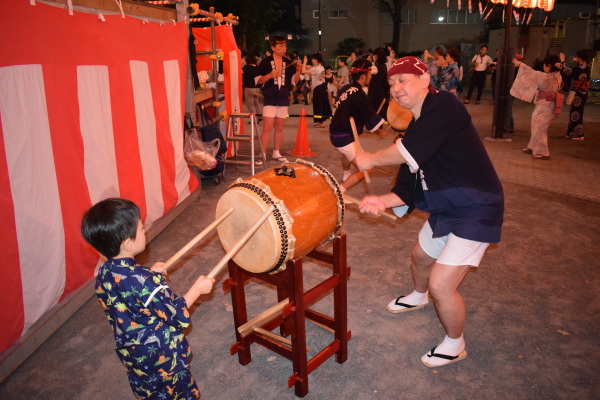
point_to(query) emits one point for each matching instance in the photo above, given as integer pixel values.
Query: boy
(147, 318)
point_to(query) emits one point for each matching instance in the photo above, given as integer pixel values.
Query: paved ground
(533, 307)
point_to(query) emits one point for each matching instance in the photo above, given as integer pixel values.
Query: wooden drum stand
(290, 314)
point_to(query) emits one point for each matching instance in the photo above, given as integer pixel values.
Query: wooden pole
(195, 240)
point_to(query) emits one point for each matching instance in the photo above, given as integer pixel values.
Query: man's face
(408, 89)
(280, 49)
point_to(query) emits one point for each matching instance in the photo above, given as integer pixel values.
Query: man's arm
(373, 204)
(387, 156)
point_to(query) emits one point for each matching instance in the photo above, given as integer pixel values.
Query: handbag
(570, 97)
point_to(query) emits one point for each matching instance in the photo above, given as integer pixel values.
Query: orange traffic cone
(302, 149)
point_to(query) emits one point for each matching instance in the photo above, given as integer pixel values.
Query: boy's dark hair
(343, 60)
(361, 63)
(109, 223)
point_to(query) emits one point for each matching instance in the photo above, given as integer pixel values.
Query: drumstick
(359, 147)
(263, 318)
(275, 336)
(195, 240)
(291, 64)
(382, 213)
(381, 105)
(236, 247)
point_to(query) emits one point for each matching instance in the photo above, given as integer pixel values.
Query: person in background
(343, 74)
(446, 172)
(276, 75)
(580, 84)
(147, 318)
(321, 107)
(480, 62)
(332, 85)
(302, 87)
(351, 59)
(545, 86)
(450, 74)
(435, 63)
(251, 91)
(353, 102)
(379, 88)
(391, 56)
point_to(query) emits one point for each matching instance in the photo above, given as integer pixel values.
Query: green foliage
(348, 45)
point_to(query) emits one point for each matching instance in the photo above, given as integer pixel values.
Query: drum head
(398, 116)
(262, 250)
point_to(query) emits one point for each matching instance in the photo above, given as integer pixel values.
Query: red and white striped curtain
(90, 107)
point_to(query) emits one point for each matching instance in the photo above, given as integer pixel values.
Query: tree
(348, 45)
(394, 9)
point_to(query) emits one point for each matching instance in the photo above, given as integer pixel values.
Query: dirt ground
(533, 306)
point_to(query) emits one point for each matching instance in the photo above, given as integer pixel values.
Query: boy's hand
(204, 284)
(159, 267)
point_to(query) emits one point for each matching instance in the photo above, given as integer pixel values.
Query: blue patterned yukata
(148, 321)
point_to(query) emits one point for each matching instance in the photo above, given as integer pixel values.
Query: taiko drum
(309, 210)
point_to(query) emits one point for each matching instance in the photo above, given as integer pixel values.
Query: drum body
(398, 116)
(309, 210)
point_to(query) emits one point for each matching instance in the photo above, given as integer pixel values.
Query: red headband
(407, 65)
(354, 70)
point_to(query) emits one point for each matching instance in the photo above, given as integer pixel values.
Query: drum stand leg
(292, 320)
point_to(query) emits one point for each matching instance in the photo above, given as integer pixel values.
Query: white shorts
(348, 150)
(275, 111)
(450, 249)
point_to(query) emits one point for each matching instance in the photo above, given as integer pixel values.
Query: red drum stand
(292, 311)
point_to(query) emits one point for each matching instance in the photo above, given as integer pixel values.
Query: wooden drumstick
(236, 247)
(263, 318)
(381, 105)
(382, 213)
(195, 240)
(359, 147)
(275, 336)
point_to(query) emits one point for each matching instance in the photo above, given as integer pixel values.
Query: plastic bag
(197, 153)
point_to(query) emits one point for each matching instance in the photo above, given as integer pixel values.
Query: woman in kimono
(580, 83)
(544, 86)
(450, 75)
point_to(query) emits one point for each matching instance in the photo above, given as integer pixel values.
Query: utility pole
(320, 48)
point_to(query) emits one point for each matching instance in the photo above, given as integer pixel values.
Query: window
(316, 14)
(446, 16)
(408, 17)
(338, 14)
